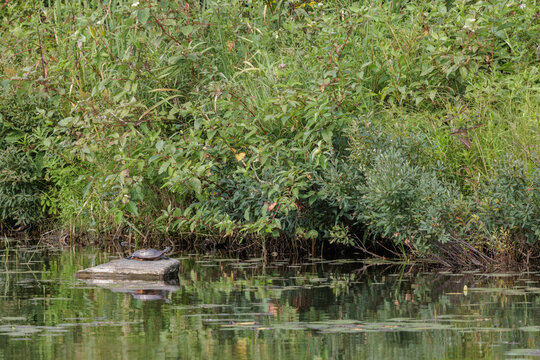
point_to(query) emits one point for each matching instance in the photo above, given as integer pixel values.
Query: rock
(124, 269)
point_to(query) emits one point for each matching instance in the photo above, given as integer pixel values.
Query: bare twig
(43, 67)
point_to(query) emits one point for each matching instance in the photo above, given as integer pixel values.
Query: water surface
(226, 308)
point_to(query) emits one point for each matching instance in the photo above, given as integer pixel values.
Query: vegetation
(402, 127)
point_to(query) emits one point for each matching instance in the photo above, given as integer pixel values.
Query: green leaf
(186, 30)
(501, 34)
(119, 216)
(463, 72)
(196, 184)
(197, 124)
(14, 136)
(164, 167)
(136, 193)
(143, 15)
(87, 189)
(427, 70)
(159, 145)
(66, 121)
(327, 136)
(164, 4)
(132, 208)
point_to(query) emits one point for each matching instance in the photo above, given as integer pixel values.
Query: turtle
(149, 254)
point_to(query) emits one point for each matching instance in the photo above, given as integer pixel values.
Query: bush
(407, 203)
(22, 179)
(380, 187)
(510, 203)
(20, 188)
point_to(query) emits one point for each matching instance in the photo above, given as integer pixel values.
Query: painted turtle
(149, 254)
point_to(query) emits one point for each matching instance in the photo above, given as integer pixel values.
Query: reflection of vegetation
(227, 309)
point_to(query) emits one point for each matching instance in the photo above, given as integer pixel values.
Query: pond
(226, 308)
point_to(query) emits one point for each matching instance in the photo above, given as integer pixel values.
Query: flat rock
(125, 269)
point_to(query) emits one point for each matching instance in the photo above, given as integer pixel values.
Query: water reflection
(226, 308)
(139, 289)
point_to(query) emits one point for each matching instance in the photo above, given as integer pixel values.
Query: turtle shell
(148, 254)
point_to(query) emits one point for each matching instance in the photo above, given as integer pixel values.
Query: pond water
(224, 308)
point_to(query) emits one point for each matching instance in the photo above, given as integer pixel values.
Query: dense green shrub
(20, 188)
(380, 185)
(510, 203)
(407, 203)
(22, 180)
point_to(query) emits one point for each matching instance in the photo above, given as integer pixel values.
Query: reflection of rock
(132, 270)
(148, 295)
(139, 289)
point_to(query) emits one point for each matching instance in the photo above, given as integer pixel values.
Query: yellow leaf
(240, 156)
